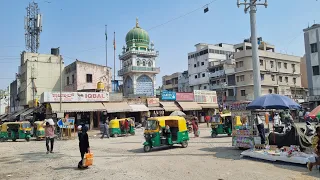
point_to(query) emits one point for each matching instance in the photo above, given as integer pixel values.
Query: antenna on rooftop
(33, 27)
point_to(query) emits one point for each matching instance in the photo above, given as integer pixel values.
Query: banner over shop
(204, 96)
(153, 102)
(47, 97)
(184, 97)
(168, 95)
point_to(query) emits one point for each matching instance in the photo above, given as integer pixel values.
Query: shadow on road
(39, 156)
(223, 152)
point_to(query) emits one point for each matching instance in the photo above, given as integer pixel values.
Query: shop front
(138, 111)
(84, 107)
(208, 102)
(154, 107)
(169, 107)
(187, 104)
(117, 109)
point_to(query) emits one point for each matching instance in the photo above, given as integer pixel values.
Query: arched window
(150, 63)
(143, 63)
(138, 63)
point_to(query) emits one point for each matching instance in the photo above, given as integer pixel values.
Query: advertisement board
(168, 95)
(205, 96)
(184, 96)
(75, 97)
(153, 102)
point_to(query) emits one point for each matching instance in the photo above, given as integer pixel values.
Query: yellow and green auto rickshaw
(38, 130)
(116, 127)
(15, 130)
(224, 126)
(156, 133)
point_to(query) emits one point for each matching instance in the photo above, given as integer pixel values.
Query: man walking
(105, 129)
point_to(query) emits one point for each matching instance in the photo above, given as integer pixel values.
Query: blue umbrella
(273, 101)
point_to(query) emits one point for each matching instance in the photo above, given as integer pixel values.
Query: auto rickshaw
(38, 131)
(224, 126)
(15, 130)
(116, 127)
(156, 135)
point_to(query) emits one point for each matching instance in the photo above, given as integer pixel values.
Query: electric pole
(33, 85)
(60, 57)
(252, 5)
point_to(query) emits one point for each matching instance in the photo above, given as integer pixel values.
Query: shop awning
(170, 106)
(77, 107)
(155, 108)
(117, 107)
(138, 107)
(209, 106)
(29, 111)
(190, 106)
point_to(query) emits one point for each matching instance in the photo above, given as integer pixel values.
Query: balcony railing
(138, 69)
(217, 74)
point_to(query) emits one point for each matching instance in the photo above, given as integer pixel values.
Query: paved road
(123, 158)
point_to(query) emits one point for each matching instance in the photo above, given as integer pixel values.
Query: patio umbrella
(177, 113)
(315, 113)
(273, 101)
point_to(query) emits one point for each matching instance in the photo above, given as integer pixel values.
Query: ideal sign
(153, 102)
(168, 95)
(75, 97)
(204, 96)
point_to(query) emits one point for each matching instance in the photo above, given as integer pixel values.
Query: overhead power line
(183, 15)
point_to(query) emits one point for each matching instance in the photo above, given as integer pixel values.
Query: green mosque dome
(138, 36)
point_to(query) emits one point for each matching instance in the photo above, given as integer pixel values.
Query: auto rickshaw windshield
(26, 125)
(151, 125)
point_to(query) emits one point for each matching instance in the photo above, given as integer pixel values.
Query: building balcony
(154, 70)
(217, 74)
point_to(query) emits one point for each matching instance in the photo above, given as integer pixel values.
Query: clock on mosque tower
(138, 64)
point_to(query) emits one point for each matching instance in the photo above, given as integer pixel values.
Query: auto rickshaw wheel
(2, 139)
(14, 140)
(147, 148)
(214, 135)
(184, 144)
(27, 139)
(229, 134)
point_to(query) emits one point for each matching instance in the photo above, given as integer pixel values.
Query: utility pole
(114, 61)
(252, 5)
(60, 83)
(106, 34)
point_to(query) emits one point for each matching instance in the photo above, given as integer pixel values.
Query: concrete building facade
(84, 76)
(138, 64)
(171, 82)
(183, 82)
(312, 54)
(280, 73)
(38, 73)
(199, 61)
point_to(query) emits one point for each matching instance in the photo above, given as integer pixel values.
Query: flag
(114, 41)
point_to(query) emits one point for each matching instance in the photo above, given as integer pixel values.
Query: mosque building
(138, 64)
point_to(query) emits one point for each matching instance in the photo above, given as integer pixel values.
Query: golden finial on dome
(137, 22)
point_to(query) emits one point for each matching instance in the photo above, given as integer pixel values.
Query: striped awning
(169, 106)
(77, 107)
(190, 106)
(117, 107)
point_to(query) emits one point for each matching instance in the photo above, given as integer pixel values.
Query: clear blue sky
(77, 27)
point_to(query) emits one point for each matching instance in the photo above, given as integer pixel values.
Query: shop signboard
(75, 97)
(205, 96)
(116, 97)
(153, 102)
(184, 96)
(168, 95)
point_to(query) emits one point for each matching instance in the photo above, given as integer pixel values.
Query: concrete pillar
(91, 120)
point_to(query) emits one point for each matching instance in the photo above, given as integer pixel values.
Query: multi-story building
(138, 61)
(183, 82)
(38, 73)
(201, 59)
(170, 82)
(312, 54)
(84, 76)
(280, 73)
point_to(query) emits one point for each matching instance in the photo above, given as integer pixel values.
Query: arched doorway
(144, 85)
(128, 86)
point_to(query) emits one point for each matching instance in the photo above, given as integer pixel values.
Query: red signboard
(153, 102)
(184, 97)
